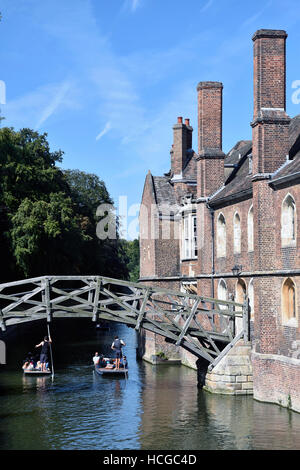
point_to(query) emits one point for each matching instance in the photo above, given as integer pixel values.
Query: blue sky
(107, 79)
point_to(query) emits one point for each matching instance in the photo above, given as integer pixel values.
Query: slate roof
(239, 183)
(190, 170)
(164, 191)
(241, 148)
(294, 134)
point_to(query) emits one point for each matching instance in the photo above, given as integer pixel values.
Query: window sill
(288, 244)
(292, 323)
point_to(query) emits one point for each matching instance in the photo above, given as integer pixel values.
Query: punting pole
(52, 367)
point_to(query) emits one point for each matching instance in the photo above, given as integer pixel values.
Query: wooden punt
(37, 372)
(107, 372)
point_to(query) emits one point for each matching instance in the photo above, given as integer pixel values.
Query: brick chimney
(270, 122)
(210, 155)
(181, 143)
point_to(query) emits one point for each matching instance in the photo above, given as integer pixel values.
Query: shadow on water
(156, 407)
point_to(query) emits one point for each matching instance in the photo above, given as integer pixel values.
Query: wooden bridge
(204, 326)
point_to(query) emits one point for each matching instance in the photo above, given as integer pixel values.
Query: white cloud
(104, 131)
(33, 108)
(56, 101)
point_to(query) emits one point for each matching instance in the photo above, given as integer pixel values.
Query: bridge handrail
(120, 282)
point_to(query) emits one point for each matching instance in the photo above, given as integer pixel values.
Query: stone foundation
(277, 380)
(233, 374)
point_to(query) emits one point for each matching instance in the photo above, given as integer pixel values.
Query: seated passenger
(102, 362)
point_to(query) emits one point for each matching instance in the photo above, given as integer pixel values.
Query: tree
(132, 253)
(48, 216)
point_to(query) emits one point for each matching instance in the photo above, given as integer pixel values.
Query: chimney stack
(182, 142)
(270, 122)
(210, 155)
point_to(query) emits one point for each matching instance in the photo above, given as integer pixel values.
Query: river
(157, 407)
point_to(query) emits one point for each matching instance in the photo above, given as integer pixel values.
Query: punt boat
(37, 372)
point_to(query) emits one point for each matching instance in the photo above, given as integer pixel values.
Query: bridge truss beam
(202, 325)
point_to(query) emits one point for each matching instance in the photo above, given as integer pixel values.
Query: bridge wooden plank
(187, 323)
(142, 311)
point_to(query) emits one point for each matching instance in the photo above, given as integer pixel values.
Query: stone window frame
(289, 241)
(250, 229)
(251, 298)
(189, 236)
(221, 253)
(223, 283)
(289, 315)
(237, 234)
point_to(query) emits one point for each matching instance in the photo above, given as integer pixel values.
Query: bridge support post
(2, 322)
(202, 366)
(96, 300)
(46, 299)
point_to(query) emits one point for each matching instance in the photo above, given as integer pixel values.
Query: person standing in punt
(44, 356)
(117, 347)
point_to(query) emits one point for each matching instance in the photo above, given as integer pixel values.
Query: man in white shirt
(96, 359)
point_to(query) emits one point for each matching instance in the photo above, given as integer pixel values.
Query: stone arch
(236, 233)
(240, 292)
(288, 220)
(221, 236)
(288, 302)
(222, 292)
(250, 229)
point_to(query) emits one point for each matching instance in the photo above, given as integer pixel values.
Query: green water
(157, 407)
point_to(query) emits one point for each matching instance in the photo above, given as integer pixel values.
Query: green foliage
(48, 216)
(132, 253)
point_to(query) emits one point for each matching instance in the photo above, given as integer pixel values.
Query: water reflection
(155, 408)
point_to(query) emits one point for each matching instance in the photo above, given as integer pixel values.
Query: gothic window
(288, 302)
(240, 291)
(189, 236)
(288, 221)
(251, 299)
(236, 233)
(221, 236)
(250, 230)
(222, 292)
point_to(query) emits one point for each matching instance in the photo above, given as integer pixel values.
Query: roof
(164, 191)
(190, 169)
(239, 183)
(241, 148)
(294, 135)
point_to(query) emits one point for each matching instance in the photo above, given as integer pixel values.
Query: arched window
(221, 236)
(236, 233)
(251, 299)
(289, 302)
(222, 292)
(250, 230)
(288, 221)
(240, 291)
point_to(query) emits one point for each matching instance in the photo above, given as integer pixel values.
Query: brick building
(214, 212)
